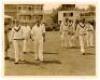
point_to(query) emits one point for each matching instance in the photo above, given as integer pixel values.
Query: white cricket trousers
(64, 39)
(25, 46)
(90, 39)
(73, 40)
(38, 49)
(18, 44)
(70, 40)
(82, 43)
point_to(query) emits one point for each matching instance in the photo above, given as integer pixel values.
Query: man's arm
(32, 34)
(43, 34)
(12, 35)
(31, 37)
(43, 37)
(61, 28)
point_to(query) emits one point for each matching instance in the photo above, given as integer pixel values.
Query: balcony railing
(24, 12)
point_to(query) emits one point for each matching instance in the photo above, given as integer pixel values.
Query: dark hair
(70, 20)
(66, 19)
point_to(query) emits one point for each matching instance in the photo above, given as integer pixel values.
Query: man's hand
(31, 38)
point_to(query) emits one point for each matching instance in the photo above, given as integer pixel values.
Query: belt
(18, 39)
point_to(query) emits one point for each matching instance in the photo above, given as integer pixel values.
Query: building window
(19, 8)
(24, 7)
(71, 14)
(32, 8)
(29, 17)
(29, 8)
(68, 14)
(41, 8)
(64, 14)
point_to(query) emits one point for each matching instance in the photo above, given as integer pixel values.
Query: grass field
(57, 61)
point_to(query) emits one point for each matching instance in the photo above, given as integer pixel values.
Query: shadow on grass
(89, 54)
(74, 47)
(43, 53)
(44, 62)
(52, 62)
(38, 63)
(30, 63)
(50, 53)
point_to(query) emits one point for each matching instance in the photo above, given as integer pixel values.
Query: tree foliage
(91, 8)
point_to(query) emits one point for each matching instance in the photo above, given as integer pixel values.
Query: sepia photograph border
(49, 77)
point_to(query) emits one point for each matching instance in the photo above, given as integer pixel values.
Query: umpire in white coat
(38, 35)
(17, 39)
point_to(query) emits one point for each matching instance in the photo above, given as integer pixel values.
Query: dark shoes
(24, 52)
(38, 61)
(22, 61)
(83, 53)
(15, 62)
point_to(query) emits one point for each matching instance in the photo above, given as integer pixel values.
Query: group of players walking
(82, 33)
(20, 34)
